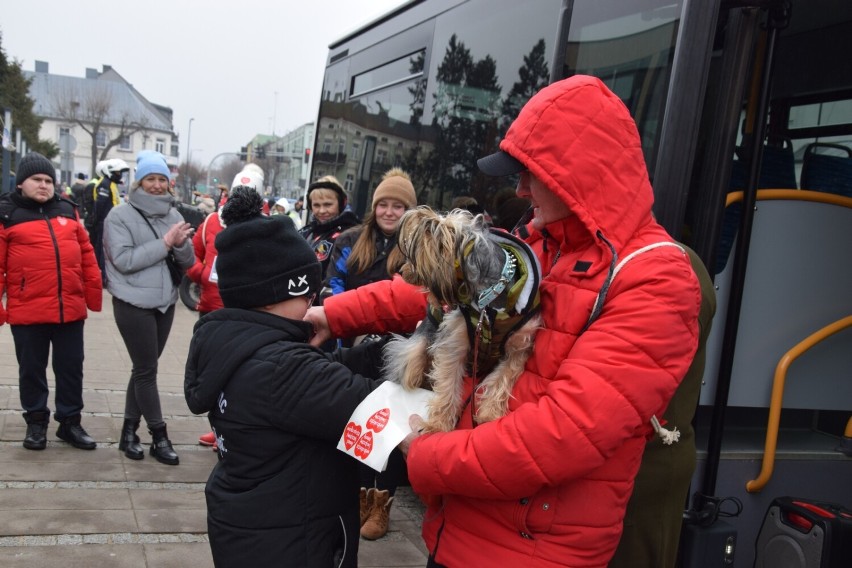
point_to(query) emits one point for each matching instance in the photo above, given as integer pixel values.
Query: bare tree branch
(91, 111)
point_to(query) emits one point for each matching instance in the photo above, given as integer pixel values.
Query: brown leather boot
(376, 525)
(366, 503)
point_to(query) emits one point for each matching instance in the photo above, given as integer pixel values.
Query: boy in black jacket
(281, 494)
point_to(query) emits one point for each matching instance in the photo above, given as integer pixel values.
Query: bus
(744, 108)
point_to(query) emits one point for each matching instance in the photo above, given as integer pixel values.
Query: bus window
(403, 69)
(823, 163)
(630, 47)
(433, 111)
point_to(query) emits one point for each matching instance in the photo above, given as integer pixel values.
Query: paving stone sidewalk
(64, 507)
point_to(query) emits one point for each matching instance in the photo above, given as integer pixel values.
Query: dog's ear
(406, 233)
(479, 223)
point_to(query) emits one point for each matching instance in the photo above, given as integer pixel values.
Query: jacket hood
(579, 139)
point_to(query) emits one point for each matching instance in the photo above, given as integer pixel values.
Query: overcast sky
(220, 62)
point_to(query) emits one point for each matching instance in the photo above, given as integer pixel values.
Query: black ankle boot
(129, 442)
(72, 432)
(36, 438)
(161, 446)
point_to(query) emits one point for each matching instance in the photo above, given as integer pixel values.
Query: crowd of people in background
(279, 279)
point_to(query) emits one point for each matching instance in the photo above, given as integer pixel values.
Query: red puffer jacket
(47, 264)
(547, 485)
(204, 244)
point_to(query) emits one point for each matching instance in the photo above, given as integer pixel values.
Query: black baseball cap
(500, 163)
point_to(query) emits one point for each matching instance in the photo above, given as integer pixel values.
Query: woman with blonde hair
(147, 245)
(368, 252)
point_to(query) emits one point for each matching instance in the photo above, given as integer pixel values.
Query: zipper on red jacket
(547, 238)
(58, 265)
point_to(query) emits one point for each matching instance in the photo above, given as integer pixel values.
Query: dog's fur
(456, 257)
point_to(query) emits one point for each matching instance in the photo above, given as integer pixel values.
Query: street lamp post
(188, 192)
(210, 167)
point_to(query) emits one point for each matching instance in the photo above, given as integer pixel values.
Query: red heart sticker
(379, 420)
(351, 435)
(365, 446)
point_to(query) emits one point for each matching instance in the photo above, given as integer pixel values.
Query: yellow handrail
(792, 194)
(755, 485)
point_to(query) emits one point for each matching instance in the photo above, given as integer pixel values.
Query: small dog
(483, 315)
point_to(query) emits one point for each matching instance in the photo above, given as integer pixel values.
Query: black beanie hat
(262, 260)
(32, 164)
(326, 183)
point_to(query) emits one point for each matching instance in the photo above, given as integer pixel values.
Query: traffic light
(243, 153)
(307, 155)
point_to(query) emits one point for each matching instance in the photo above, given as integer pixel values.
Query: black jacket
(321, 236)
(281, 492)
(339, 278)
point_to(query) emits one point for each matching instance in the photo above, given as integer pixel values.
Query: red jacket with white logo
(547, 485)
(47, 264)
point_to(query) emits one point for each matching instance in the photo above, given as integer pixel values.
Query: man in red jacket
(50, 275)
(547, 485)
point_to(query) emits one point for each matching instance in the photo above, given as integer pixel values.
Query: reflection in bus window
(434, 112)
(403, 69)
(630, 47)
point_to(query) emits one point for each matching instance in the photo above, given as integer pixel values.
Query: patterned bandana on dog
(503, 307)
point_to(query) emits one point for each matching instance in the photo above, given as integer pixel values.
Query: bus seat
(797, 281)
(777, 171)
(827, 172)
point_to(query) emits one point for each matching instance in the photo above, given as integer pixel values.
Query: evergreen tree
(464, 119)
(14, 95)
(418, 90)
(533, 76)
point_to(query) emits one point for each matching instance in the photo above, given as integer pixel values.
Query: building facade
(295, 161)
(285, 160)
(97, 117)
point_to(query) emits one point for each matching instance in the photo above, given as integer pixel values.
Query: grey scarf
(151, 205)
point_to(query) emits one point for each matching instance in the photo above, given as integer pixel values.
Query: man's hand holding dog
(417, 424)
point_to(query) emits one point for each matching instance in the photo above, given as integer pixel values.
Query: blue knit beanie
(150, 162)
